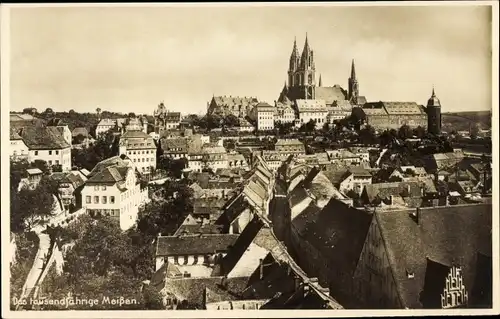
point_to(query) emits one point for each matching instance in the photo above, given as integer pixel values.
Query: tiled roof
(374, 108)
(451, 235)
(188, 245)
(14, 135)
(43, 138)
(399, 108)
(193, 289)
(305, 105)
(384, 190)
(174, 145)
(235, 101)
(110, 170)
(286, 142)
(21, 117)
(330, 94)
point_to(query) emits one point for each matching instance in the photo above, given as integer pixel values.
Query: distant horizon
(131, 59)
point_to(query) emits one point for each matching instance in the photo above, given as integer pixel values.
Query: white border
(5, 102)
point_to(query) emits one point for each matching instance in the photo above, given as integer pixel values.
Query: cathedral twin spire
(303, 61)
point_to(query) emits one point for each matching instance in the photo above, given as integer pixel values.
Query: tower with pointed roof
(433, 114)
(301, 73)
(353, 89)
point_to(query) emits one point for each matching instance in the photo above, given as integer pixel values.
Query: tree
(48, 111)
(358, 117)
(131, 115)
(367, 135)
(419, 132)
(79, 139)
(231, 121)
(29, 206)
(98, 111)
(404, 132)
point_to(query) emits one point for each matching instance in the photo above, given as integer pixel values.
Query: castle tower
(433, 114)
(353, 90)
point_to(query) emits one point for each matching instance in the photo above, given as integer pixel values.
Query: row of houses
(401, 256)
(233, 260)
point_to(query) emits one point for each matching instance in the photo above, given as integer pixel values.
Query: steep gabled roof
(43, 138)
(448, 235)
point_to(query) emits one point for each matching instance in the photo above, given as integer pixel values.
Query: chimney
(408, 188)
(391, 200)
(261, 269)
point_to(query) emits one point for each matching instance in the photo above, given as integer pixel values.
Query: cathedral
(301, 85)
(302, 82)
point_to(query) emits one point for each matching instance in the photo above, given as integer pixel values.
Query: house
(440, 161)
(193, 226)
(289, 146)
(137, 124)
(237, 160)
(80, 135)
(263, 114)
(406, 173)
(174, 148)
(284, 113)
(355, 179)
(113, 189)
(413, 259)
(189, 250)
(231, 105)
(273, 159)
(328, 240)
(140, 148)
(44, 143)
(69, 189)
(214, 157)
(362, 152)
(244, 126)
(166, 120)
(311, 110)
(402, 194)
(18, 149)
(105, 125)
(343, 157)
(62, 128)
(32, 178)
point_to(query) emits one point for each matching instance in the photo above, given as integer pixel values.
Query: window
(50, 152)
(57, 162)
(104, 200)
(96, 199)
(50, 163)
(96, 188)
(57, 152)
(103, 187)
(112, 199)
(88, 199)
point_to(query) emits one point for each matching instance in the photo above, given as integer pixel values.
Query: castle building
(434, 114)
(166, 120)
(234, 105)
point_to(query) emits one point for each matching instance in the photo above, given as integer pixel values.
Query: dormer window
(410, 274)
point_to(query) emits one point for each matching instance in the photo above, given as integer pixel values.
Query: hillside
(462, 120)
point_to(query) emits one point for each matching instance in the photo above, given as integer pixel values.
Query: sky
(130, 59)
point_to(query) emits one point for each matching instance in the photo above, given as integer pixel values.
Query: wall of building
(265, 120)
(53, 157)
(144, 159)
(18, 150)
(374, 285)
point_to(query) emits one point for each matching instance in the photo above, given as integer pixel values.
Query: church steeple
(353, 70)
(353, 90)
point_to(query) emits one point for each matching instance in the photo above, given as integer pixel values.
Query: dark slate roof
(197, 244)
(198, 229)
(43, 138)
(275, 279)
(449, 235)
(73, 179)
(338, 232)
(234, 208)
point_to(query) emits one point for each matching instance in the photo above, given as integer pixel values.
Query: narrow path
(38, 263)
